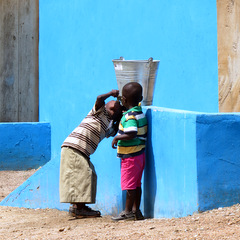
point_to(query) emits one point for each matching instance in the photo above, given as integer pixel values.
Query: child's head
(114, 110)
(131, 94)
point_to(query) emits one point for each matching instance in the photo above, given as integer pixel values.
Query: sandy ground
(20, 223)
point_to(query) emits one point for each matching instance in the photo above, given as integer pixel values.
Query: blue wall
(24, 145)
(79, 39)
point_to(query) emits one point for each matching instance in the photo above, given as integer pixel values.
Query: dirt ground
(20, 223)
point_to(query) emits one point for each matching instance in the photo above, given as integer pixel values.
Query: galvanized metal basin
(142, 71)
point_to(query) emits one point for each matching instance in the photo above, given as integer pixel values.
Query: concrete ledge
(24, 145)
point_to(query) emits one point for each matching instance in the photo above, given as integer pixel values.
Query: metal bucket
(142, 71)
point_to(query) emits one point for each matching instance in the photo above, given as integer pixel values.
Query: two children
(78, 178)
(130, 143)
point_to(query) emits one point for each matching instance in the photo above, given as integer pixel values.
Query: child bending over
(78, 179)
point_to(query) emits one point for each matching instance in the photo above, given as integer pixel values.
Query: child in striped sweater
(78, 179)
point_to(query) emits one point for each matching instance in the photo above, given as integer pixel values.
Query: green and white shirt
(133, 120)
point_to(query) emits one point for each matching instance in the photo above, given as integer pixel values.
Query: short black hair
(132, 91)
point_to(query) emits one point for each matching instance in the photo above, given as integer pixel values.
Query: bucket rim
(144, 61)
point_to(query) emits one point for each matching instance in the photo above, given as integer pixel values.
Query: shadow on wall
(150, 181)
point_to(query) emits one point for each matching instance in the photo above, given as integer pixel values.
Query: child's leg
(136, 206)
(130, 199)
(137, 202)
(127, 214)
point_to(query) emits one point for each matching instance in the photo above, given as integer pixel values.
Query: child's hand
(115, 93)
(114, 143)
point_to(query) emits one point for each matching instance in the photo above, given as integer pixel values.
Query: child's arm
(125, 136)
(101, 98)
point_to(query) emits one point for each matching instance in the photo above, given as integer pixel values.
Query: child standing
(78, 179)
(130, 142)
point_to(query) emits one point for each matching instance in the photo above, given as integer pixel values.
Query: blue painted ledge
(24, 146)
(193, 163)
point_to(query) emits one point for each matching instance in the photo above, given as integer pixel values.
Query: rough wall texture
(228, 17)
(218, 157)
(28, 145)
(18, 60)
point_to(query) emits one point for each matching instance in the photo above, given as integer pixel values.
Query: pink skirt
(131, 172)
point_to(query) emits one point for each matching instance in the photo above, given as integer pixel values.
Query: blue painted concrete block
(170, 184)
(24, 145)
(218, 159)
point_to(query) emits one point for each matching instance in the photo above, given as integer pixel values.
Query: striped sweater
(86, 137)
(133, 120)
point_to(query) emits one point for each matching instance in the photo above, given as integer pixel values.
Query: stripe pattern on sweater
(133, 120)
(90, 132)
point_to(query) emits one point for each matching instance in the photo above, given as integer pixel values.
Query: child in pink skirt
(130, 143)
